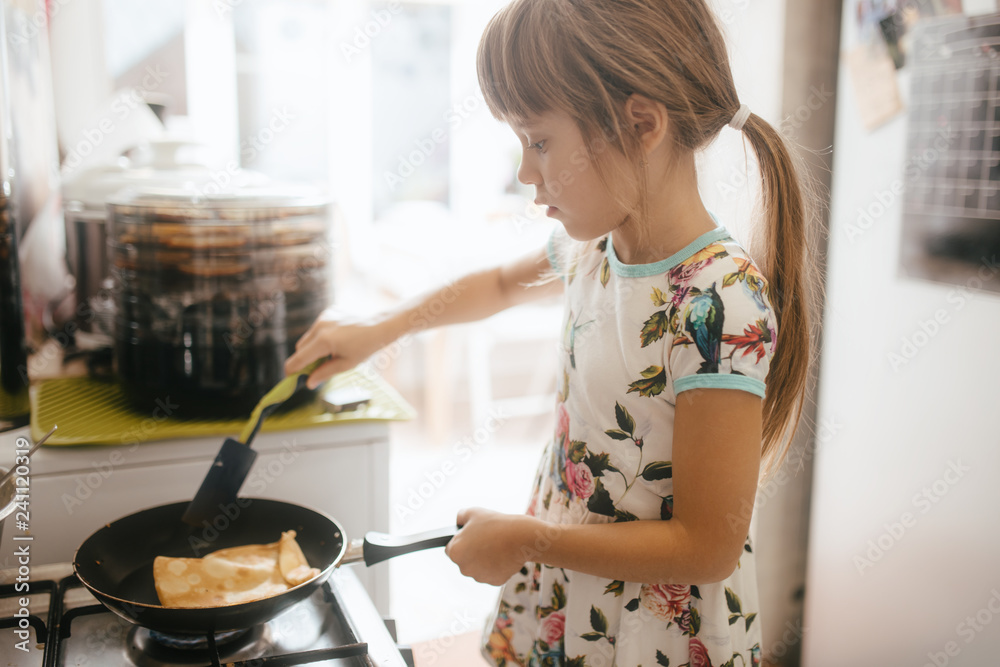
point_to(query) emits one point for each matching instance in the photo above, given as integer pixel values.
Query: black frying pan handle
(379, 546)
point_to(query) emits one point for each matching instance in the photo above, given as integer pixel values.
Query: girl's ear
(648, 118)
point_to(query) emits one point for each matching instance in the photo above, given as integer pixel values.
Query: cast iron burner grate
(183, 643)
(162, 648)
(57, 628)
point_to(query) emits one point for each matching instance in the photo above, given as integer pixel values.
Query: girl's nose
(527, 172)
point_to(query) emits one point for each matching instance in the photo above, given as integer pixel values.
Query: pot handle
(377, 547)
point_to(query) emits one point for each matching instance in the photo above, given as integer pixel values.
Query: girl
(683, 364)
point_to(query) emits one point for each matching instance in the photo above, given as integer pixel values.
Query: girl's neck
(676, 214)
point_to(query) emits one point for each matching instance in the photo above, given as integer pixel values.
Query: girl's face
(556, 160)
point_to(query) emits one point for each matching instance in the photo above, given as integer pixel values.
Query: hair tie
(740, 119)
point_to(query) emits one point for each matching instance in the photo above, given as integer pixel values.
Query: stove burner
(150, 647)
(193, 643)
(337, 624)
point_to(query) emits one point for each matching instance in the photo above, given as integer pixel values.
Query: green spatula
(233, 462)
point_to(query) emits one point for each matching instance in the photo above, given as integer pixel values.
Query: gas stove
(64, 625)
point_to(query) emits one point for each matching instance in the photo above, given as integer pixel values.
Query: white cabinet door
(349, 482)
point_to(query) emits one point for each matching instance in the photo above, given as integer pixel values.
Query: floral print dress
(635, 337)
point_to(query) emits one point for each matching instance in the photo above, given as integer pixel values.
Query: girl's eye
(538, 146)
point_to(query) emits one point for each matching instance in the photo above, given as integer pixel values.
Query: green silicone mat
(13, 406)
(92, 412)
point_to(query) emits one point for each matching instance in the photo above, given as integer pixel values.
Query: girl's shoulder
(717, 258)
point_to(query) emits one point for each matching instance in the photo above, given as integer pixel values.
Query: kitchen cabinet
(341, 470)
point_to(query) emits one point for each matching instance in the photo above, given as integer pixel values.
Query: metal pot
(159, 163)
(213, 291)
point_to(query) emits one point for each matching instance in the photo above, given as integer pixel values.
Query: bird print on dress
(703, 319)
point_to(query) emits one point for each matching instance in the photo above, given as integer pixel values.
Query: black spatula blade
(232, 463)
(231, 466)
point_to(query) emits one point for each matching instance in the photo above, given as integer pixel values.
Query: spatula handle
(252, 428)
(278, 394)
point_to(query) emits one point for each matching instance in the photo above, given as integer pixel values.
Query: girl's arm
(716, 459)
(349, 341)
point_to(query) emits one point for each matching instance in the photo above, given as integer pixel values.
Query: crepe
(232, 576)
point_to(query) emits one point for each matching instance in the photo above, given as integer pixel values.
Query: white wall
(754, 32)
(900, 430)
(80, 81)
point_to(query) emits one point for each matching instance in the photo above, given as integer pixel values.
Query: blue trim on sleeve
(664, 265)
(719, 381)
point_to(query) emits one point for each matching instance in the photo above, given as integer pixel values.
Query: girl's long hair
(585, 58)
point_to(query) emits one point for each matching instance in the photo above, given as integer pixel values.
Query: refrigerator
(904, 545)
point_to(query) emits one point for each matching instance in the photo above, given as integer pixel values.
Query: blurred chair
(491, 343)
(421, 246)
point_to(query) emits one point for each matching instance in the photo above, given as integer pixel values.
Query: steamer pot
(85, 192)
(212, 292)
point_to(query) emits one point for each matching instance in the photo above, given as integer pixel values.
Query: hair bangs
(517, 64)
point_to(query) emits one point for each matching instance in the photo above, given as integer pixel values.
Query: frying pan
(116, 562)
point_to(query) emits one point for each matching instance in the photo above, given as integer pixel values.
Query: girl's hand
(346, 341)
(488, 548)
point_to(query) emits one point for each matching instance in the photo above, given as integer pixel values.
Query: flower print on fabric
(500, 640)
(553, 628)
(562, 426)
(698, 654)
(570, 466)
(695, 311)
(602, 270)
(702, 318)
(666, 601)
(597, 474)
(758, 338)
(576, 480)
(605, 264)
(549, 644)
(682, 273)
(580, 480)
(753, 282)
(689, 308)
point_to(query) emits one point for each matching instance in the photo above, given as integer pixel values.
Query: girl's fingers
(324, 321)
(307, 337)
(294, 363)
(305, 354)
(327, 371)
(463, 516)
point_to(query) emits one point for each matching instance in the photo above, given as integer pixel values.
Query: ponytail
(587, 58)
(788, 208)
